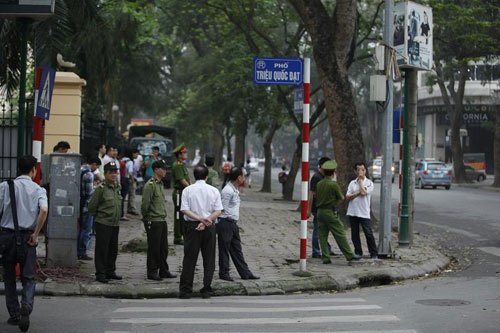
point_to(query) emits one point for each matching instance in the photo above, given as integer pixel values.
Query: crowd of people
(204, 217)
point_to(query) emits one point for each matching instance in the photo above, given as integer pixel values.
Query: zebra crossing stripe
(300, 301)
(370, 331)
(246, 310)
(260, 321)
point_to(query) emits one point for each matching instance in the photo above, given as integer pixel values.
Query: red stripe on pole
(305, 132)
(303, 210)
(305, 171)
(37, 128)
(37, 176)
(307, 92)
(38, 77)
(303, 248)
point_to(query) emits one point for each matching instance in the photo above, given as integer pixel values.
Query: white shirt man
(359, 197)
(201, 205)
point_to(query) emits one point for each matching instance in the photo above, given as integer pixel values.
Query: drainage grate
(443, 302)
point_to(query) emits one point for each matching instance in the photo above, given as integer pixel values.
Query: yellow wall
(65, 113)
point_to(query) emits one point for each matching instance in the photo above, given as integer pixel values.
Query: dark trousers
(367, 229)
(125, 183)
(27, 278)
(106, 249)
(157, 233)
(84, 234)
(229, 241)
(194, 242)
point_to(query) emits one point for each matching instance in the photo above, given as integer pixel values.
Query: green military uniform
(154, 214)
(213, 178)
(328, 194)
(105, 206)
(179, 172)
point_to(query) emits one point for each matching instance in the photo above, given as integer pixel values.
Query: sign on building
(37, 9)
(413, 35)
(278, 71)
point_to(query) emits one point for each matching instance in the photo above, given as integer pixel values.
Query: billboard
(37, 9)
(413, 35)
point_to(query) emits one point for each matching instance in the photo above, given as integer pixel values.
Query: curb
(318, 282)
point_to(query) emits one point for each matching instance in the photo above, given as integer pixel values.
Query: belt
(23, 231)
(229, 219)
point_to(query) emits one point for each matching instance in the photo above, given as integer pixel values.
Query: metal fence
(8, 137)
(95, 132)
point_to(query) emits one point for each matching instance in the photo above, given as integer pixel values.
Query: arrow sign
(44, 96)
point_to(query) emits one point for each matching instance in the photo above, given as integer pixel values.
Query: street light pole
(385, 247)
(404, 227)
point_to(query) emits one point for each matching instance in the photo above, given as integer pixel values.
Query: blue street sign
(42, 107)
(273, 71)
(396, 120)
(298, 100)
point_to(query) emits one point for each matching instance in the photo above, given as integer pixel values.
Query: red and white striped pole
(37, 128)
(305, 164)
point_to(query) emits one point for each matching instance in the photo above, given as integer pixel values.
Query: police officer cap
(159, 164)
(111, 166)
(180, 148)
(329, 165)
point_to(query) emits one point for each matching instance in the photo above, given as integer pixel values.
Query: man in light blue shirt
(228, 232)
(32, 210)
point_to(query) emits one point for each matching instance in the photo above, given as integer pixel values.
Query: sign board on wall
(413, 26)
(278, 71)
(27, 8)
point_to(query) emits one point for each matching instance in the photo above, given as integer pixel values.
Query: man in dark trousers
(228, 232)
(201, 205)
(106, 207)
(31, 210)
(154, 215)
(180, 179)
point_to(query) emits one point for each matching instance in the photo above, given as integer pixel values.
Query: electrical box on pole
(378, 89)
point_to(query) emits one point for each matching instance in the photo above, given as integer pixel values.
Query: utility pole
(385, 247)
(404, 226)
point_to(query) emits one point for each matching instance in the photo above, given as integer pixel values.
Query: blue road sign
(273, 71)
(396, 120)
(298, 100)
(45, 90)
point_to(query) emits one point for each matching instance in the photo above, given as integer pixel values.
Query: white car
(375, 170)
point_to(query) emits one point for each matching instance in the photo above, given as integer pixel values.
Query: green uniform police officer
(154, 215)
(180, 178)
(328, 195)
(105, 206)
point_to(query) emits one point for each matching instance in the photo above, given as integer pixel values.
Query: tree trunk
(266, 185)
(217, 144)
(339, 34)
(496, 148)
(228, 135)
(239, 146)
(294, 169)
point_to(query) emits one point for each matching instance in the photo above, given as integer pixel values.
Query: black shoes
(179, 242)
(226, 278)
(84, 257)
(13, 321)
(101, 279)
(206, 294)
(154, 277)
(326, 262)
(24, 319)
(184, 296)
(356, 257)
(251, 277)
(167, 275)
(113, 277)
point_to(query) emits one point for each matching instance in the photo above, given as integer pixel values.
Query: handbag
(12, 245)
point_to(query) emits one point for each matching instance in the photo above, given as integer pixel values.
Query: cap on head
(329, 165)
(180, 148)
(111, 166)
(159, 164)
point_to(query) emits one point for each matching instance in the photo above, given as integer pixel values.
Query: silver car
(375, 170)
(432, 173)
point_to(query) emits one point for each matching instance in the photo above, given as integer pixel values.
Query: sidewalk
(270, 229)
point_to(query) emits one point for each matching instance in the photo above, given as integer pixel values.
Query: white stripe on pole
(306, 112)
(305, 191)
(302, 265)
(37, 150)
(305, 153)
(307, 70)
(303, 229)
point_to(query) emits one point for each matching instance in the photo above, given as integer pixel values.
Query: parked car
(375, 170)
(473, 174)
(432, 173)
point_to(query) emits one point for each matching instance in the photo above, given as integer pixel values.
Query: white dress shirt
(230, 197)
(360, 206)
(201, 199)
(30, 197)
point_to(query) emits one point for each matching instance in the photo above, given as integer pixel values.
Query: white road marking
(491, 250)
(451, 229)
(248, 300)
(371, 331)
(259, 321)
(246, 310)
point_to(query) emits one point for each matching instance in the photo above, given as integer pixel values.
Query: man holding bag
(23, 211)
